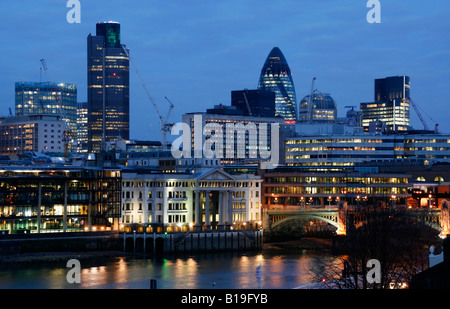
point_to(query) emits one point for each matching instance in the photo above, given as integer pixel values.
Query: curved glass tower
(276, 76)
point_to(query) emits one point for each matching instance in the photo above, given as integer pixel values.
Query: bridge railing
(298, 209)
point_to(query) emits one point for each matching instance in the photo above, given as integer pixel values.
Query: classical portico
(214, 200)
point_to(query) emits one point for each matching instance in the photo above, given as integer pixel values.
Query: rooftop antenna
(310, 101)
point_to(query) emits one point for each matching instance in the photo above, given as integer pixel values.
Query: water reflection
(222, 271)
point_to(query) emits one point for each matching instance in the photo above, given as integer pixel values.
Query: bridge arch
(303, 217)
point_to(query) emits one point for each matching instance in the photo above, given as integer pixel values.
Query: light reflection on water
(222, 270)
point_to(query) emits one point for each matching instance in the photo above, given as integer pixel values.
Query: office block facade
(48, 199)
(391, 104)
(33, 133)
(38, 98)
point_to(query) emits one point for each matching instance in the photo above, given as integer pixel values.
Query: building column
(65, 208)
(221, 210)
(207, 214)
(198, 218)
(39, 207)
(230, 208)
(90, 208)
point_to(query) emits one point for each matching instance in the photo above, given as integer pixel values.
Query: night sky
(197, 52)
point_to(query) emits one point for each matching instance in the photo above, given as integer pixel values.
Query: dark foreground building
(436, 277)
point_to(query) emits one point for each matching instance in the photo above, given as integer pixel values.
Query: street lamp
(302, 200)
(329, 203)
(357, 200)
(429, 200)
(394, 200)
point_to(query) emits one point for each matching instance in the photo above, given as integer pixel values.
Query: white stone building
(212, 199)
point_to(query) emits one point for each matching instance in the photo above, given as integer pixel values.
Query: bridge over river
(343, 215)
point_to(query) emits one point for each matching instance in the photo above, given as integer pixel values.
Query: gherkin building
(276, 76)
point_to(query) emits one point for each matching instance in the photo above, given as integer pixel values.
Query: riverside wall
(151, 243)
(192, 242)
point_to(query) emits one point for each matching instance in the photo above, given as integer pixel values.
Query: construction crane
(165, 126)
(68, 135)
(425, 126)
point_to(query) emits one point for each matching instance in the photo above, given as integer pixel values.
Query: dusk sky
(197, 52)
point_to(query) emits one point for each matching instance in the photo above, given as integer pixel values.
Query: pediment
(216, 174)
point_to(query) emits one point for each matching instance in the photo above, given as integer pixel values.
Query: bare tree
(388, 235)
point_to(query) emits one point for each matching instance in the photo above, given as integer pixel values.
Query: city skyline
(197, 54)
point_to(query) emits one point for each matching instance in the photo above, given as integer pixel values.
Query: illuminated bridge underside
(278, 219)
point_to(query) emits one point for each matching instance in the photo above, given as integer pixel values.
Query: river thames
(279, 269)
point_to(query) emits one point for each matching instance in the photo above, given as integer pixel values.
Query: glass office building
(108, 87)
(276, 76)
(38, 98)
(391, 104)
(254, 102)
(48, 199)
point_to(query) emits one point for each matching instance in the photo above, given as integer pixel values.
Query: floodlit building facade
(209, 200)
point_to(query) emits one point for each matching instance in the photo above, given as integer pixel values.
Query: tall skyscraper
(108, 87)
(391, 105)
(254, 102)
(39, 98)
(276, 76)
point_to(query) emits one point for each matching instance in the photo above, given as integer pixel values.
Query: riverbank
(309, 243)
